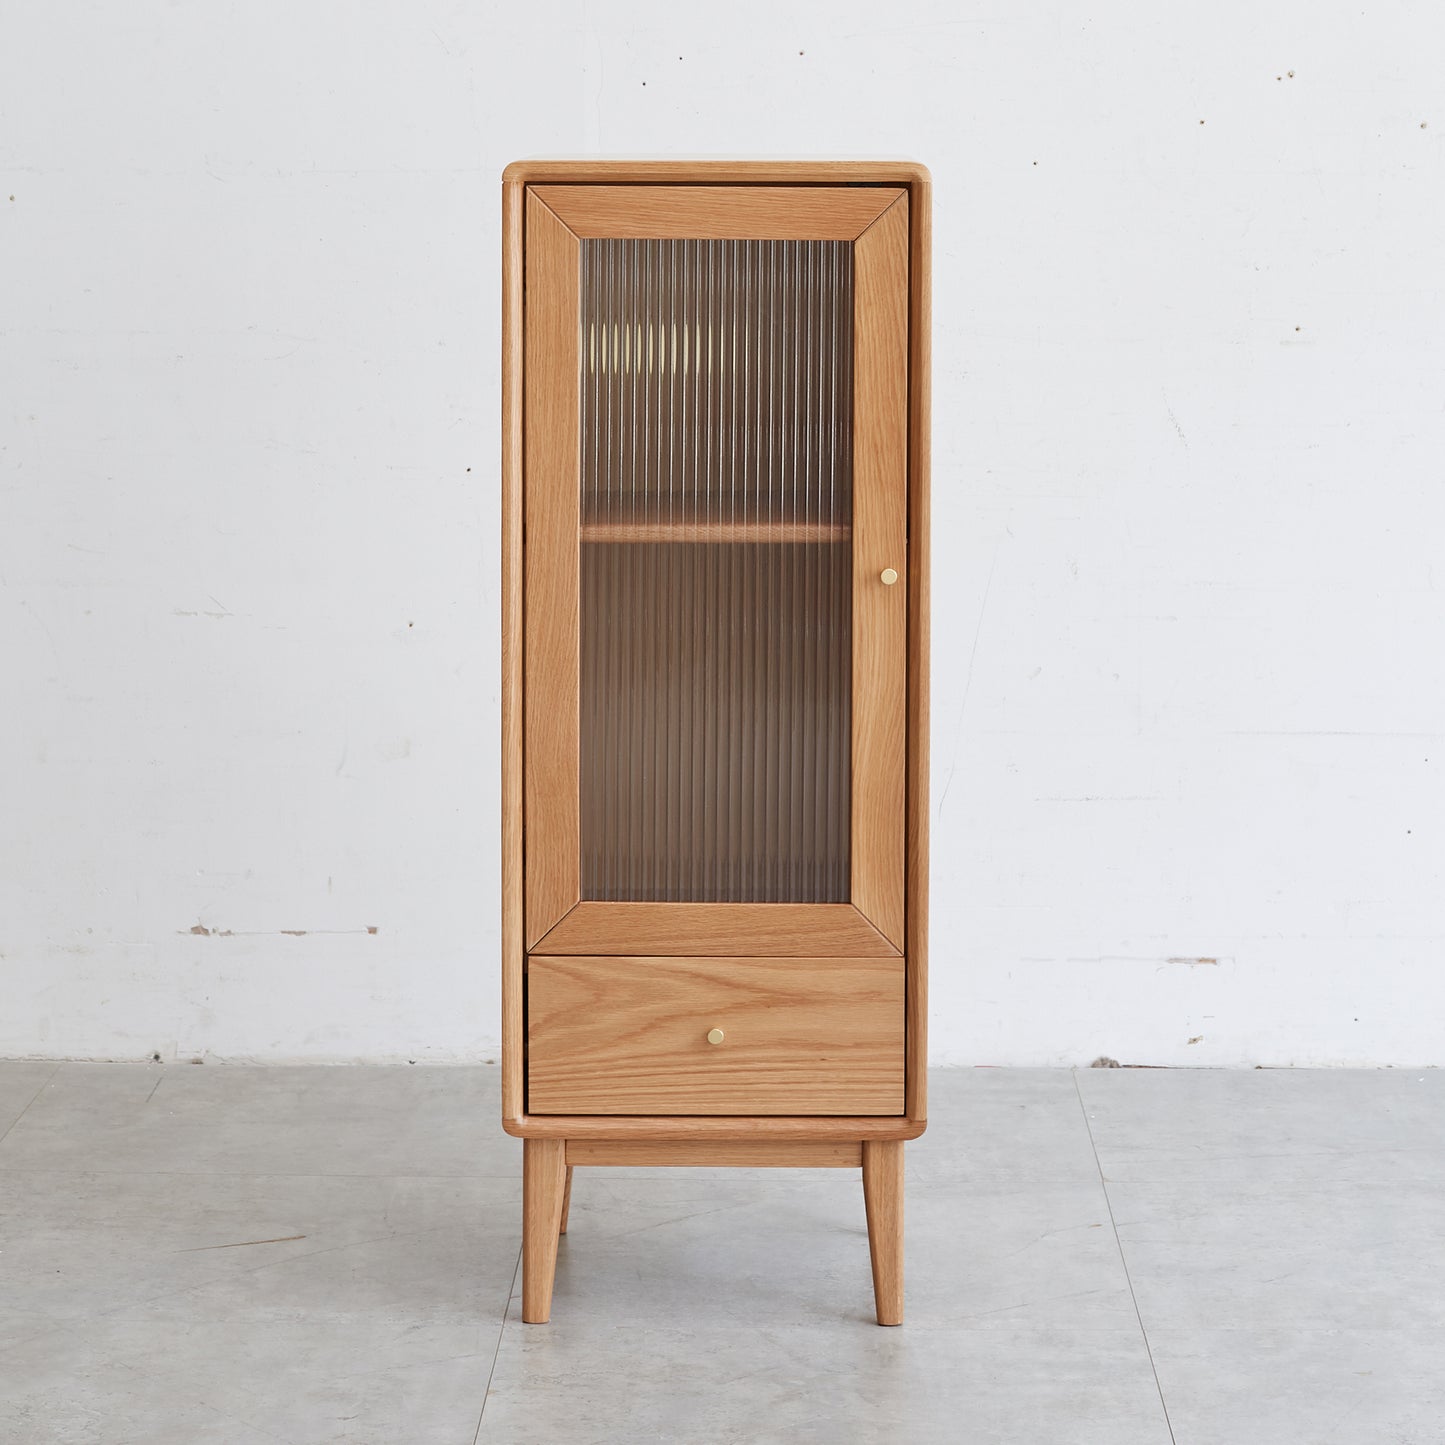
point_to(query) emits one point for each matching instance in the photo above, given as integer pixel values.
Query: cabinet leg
(566, 1201)
(544, 1181)
(883, 1200)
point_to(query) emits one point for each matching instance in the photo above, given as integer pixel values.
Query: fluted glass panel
(716, 574)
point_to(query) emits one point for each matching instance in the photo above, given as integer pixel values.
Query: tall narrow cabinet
(715, 676)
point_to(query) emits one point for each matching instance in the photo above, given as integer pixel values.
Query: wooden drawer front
(630, 1035)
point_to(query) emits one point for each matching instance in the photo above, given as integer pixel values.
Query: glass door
(715, 486)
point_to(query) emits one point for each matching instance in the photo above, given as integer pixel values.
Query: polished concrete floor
(233, 1256)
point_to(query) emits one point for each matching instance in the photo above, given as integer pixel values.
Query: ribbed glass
(716, 575)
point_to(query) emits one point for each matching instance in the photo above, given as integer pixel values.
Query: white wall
(1189, 682)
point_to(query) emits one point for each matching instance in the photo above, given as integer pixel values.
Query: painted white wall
(1189, 684)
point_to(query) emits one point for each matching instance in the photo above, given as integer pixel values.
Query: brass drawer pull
(715, 1036)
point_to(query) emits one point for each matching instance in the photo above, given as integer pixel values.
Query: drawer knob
(888, 576)
(715, 1036)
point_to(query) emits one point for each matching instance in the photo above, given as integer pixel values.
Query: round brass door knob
(715, 1036)
(888, 577)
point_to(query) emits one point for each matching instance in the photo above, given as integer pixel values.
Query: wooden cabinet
(715, 644)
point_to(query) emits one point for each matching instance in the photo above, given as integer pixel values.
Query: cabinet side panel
(919, 801)
(512, 946)
(880, 613)
(550, 559)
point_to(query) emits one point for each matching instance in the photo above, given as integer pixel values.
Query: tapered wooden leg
(544, 1181)
(883, 1199)
(566, 1201)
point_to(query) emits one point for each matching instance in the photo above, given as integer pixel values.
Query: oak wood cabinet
(715, 687)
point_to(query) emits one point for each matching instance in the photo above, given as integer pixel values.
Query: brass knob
(714, 1036)
(887, 576)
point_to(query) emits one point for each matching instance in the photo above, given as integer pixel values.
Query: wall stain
(199, 930)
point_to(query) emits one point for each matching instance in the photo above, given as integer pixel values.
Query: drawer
(631, 1035)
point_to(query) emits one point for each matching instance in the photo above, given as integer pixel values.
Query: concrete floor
(1109, 1257)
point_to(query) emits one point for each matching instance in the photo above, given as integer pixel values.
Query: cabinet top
(600, 170)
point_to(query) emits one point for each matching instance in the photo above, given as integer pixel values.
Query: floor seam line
(1123, 1260)
(501, 1330)
(43, 1083)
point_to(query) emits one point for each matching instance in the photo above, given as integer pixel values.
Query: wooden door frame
(875, 219)
(916, 180)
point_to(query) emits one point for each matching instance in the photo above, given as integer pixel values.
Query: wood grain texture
(880, 613)
(673, 1126)
(629, 1036)
(513, 942)
(713, 170)
(724, 1153)
(544, 1173)
(742, 213)
(718, 930)
(567, 1200)
(883, 1202)
(552, 510)
(920, 314)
